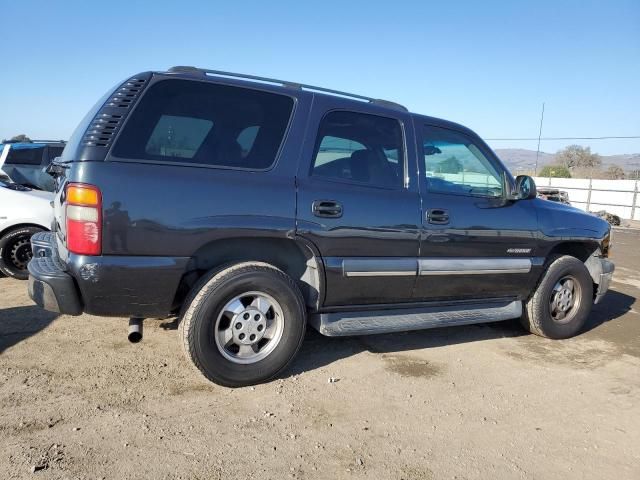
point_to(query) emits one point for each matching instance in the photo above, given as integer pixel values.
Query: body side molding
(473, 266)
(407, 266)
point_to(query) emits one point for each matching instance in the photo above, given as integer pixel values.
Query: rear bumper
(51, 287)
(111, 286)
(605, 279)
(42, 244)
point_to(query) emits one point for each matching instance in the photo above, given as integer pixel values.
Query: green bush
(556, 171)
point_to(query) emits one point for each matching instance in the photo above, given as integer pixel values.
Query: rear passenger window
(360, 147)
(182, 121)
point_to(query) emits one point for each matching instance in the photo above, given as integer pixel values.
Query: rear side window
(178, 136)
(246, 138)
(360, 147)
(182, 121)
(25, 155)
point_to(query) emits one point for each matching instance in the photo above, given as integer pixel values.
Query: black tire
(538, 316)
(15, 252)
(203, 308)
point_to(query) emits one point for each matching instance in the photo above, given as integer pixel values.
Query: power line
(565, 138)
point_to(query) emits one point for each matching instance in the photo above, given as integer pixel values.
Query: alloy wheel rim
(565, 299)
(249, 327)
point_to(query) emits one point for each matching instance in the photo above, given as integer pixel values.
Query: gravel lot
(78, 401)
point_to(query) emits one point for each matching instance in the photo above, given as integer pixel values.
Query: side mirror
(525, 188)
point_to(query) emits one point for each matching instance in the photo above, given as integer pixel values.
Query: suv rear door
(356, 204)
(475, 243)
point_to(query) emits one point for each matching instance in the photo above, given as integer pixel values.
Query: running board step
(398, 320)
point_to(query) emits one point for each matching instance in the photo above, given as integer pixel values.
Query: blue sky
(486, 64)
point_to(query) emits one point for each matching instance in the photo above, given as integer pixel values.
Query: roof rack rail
(284, 83)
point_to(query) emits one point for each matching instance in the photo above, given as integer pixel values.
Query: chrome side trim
(403, 266)
(379, 274)
(473, 266)
(379, 267)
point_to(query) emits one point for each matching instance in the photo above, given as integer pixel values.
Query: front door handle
(327, 208)
(438, 216)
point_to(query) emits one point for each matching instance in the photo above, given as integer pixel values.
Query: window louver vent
(102, 129)
(107, 122)
(126, 94)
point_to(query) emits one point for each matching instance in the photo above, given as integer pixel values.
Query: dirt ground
(78, 401)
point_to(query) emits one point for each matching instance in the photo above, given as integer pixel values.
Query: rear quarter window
(198, 123)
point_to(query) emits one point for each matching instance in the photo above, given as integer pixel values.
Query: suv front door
(476, 244)
(356, 204)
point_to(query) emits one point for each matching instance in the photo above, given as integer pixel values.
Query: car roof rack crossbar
(284, 83)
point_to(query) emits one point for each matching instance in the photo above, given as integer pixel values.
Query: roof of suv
(285, 84)
(288, 85)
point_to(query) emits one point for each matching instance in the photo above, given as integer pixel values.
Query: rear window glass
(203, 123)
(25, 155)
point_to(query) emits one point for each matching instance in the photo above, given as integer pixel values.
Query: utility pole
(535, 171)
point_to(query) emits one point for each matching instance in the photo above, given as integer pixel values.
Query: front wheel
(562, 301)
(244, 324)
(15, 252)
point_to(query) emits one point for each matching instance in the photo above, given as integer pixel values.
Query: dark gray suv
(251, 207)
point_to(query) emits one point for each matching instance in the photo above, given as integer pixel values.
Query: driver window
(454, 164)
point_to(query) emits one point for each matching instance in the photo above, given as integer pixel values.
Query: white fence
(620, 197)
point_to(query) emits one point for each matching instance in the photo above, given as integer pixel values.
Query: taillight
(84, 223)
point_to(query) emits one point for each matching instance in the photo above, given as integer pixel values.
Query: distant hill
(522, 159)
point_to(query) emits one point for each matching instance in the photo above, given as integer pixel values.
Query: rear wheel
(15, 252)
(244, 324)
(562, 302)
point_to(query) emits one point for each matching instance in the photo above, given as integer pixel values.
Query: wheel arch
(586, 251)
(293, 256)
(18, 226)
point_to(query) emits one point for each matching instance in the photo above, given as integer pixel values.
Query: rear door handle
(438, 216)
(326, 208)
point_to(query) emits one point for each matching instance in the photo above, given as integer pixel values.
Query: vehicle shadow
(614, 305)
(19, 323)
(319, 351)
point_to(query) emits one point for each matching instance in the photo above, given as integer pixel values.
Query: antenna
(535, 171)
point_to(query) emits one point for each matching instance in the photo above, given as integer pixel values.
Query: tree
(614, 172)
(575, 156)
(556, 171)
(20, 138)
